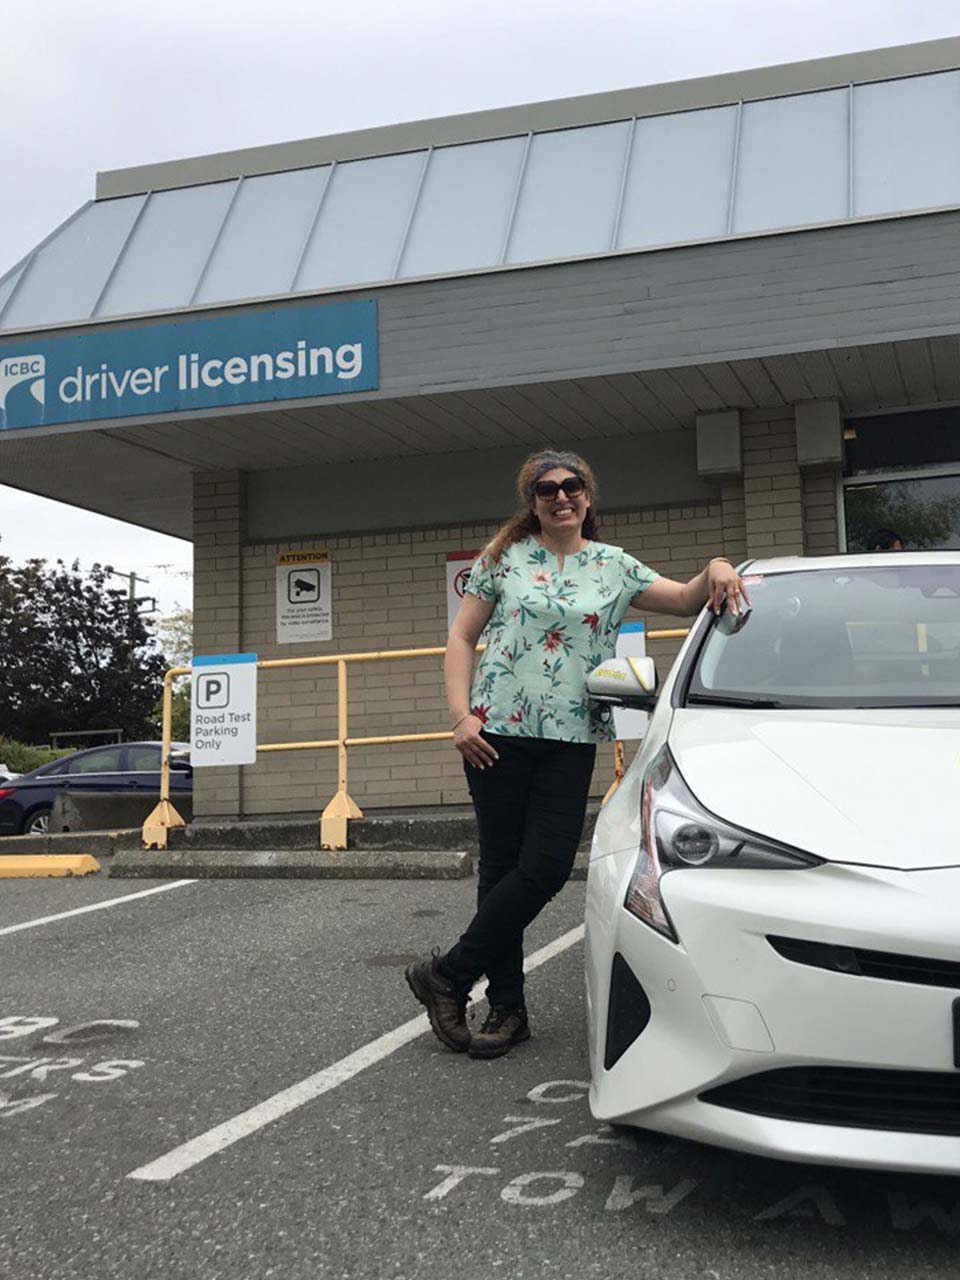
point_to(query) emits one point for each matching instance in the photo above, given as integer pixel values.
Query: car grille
(853, 1097)
(870, 964)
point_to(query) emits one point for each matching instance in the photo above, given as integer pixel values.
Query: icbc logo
(28, 372)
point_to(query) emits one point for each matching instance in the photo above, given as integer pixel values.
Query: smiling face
(560, 514)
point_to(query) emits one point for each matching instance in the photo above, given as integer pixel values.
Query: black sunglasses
(572, 486)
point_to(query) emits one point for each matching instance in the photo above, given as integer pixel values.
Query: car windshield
(847, 637)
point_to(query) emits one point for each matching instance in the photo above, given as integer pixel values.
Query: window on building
(902, 478)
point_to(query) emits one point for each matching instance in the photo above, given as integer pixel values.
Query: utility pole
(132, 579)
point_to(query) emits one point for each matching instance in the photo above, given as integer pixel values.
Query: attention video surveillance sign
(223, 710)
(304, 584)
(245, 358)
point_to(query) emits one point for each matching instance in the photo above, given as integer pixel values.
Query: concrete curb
(235, 864)
(99, 843)
(311, 864)
(289, 834)
(416, 832)
(389, 831)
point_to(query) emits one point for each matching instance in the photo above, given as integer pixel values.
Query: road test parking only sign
(304, 584)
(223, 710)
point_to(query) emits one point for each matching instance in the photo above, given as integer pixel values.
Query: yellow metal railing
(337, 814)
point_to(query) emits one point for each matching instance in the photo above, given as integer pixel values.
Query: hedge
(19, 757)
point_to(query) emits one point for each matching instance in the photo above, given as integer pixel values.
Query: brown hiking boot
(446, 1006)
(501, 1030)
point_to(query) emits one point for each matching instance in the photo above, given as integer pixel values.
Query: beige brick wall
(217, 606)
(821, 535)
(773, 501)
(734, 517)
(388, 592)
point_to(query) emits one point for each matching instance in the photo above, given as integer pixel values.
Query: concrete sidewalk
(397, 844)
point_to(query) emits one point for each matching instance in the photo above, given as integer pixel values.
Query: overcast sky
(107, 83)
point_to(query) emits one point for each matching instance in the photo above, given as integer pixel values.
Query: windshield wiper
(723, 700)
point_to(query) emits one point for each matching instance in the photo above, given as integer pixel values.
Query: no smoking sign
(459, 564)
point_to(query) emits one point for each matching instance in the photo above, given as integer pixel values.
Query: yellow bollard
(164, 815)
(337, 814)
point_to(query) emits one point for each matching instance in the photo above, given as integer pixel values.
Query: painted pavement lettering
(621, 1190)
(58, 1056)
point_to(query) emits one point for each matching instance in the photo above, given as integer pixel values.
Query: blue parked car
(26, 801)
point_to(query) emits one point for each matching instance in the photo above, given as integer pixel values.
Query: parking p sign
(223, 710)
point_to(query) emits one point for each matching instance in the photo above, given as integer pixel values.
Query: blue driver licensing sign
(246, 358)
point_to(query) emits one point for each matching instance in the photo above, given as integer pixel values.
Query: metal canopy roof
(710, 173)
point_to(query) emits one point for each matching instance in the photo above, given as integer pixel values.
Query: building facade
(737, 297)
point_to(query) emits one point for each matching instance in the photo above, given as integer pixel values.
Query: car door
(97, 771)
(95, 790)
(143, 767)
(143, 773)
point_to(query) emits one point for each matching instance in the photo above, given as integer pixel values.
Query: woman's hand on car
(472, 746)
(724, 583)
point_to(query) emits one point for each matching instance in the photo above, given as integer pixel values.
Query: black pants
(530, 807)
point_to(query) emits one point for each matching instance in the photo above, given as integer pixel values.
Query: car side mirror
(624, 682)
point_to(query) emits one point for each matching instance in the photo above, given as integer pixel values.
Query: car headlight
(676, 831)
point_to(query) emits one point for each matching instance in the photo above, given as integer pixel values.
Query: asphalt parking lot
(226, 1079)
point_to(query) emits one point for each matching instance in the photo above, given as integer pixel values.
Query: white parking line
(96, 906)
(225, 1135)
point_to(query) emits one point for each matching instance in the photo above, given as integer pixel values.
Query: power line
(172, 570)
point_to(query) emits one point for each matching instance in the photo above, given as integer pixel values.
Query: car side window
(53, 770)
(106, 760)
(143, 759)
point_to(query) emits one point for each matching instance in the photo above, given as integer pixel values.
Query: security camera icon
(303, 586)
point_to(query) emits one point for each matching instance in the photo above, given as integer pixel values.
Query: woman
(553, 598)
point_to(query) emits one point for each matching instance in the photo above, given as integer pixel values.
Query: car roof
(866, 560)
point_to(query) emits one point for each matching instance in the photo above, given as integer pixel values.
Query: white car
(773, 899)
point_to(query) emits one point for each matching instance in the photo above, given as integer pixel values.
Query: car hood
(877, 787)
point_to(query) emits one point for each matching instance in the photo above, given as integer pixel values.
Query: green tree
(74, 655)
(175, 631)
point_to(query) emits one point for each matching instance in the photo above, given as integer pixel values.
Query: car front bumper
(725, 1005)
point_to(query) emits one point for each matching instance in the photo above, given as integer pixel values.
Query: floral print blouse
(549, 628)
